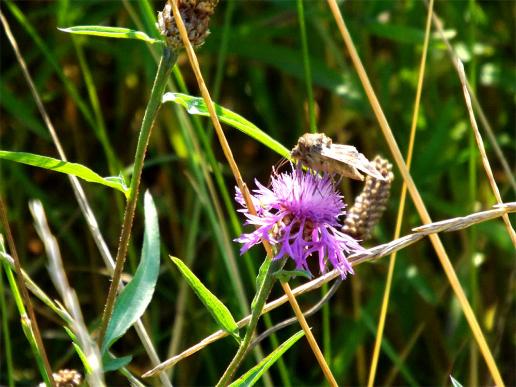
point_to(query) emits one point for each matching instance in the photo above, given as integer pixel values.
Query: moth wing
(350, 156)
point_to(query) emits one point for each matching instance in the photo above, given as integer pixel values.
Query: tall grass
(283, 66)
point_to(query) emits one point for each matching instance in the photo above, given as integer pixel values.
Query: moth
(317, 151)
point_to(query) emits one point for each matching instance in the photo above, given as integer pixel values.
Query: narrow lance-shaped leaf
(254, 374)
(66, 167)
(218, 310)
(110, 32)
(136, 296)
(196, 106)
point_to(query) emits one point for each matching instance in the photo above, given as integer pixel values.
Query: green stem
(7, 337)
(265, 280)
(306, 63)
(223, 50)
(168, 59)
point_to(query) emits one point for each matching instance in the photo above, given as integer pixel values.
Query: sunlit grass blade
(24, 319)
(136, 296)
(253, 375)
(454, 382)
(111, 32)
(197, 106)
(6, 335)
(66, 167)
(218, 310)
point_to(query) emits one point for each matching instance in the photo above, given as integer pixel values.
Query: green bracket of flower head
(253, 375)
(111, 32)
(197, 106)
(218, 310)
(287, 275)
(73, 169)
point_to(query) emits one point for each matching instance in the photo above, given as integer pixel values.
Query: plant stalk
(166, 63)
(267, 280)
(310, 337)
(31, 328)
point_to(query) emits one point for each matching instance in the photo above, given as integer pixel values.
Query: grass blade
(66, 167)
(218, 310)
(254, 374)
(454, 382)
(110, 32)
(197, 106)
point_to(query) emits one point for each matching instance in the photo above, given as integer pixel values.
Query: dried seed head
(67, 378)
(371, 203)
(196, 17)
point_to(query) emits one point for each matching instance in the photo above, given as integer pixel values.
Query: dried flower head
(196, 17)
(371, 203)
(299, 216)
(67, 378)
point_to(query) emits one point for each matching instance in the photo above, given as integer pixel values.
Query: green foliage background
(95, 91)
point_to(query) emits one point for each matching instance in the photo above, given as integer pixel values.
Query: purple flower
(300, 214)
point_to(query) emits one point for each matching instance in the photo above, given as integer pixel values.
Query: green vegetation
(96, 89)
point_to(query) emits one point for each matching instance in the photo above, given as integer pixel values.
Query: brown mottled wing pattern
(351, 161)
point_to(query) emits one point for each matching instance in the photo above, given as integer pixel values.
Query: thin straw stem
(311, 340)
(401, 206)
(416, 197)
(483, 119)
(168, 58)
(356, 259)
(24, 292)
(82, 200)
(220, 134)
(481, 148)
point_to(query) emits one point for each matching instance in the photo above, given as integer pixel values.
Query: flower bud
(196, 17)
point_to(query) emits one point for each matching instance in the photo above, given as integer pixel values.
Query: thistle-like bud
(371, 203)
(196, 17)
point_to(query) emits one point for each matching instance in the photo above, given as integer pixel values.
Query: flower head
(196, 17)
(299, 214)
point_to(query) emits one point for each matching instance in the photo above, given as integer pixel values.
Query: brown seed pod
(196, 17)
(371, 203)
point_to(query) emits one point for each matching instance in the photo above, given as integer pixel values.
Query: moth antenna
(276, 167)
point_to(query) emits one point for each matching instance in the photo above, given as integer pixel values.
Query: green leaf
(454, 382)
(196, 106)
(136, 296)
(218, 310)
(286, 275)
(111, 363)
(110, 32)
(66, 167)
(254, 374)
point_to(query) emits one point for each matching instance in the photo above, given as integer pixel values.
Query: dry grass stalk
(485, 123)
(241, 185)
(481, 148)
(81, 198)
(416, 196)
(355, 259)
(60, 281)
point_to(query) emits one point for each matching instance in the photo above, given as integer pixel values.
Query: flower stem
(166, 63)
(265, 280)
